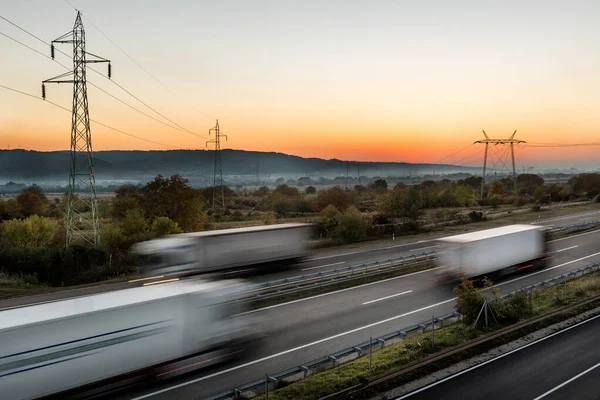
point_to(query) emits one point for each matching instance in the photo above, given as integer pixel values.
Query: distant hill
(197, 165)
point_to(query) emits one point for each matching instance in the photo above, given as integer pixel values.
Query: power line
(452, 154)
(92, 120)
(93, 84)
(562, 144)
(136, 63)
(23, 44)
(176, 125)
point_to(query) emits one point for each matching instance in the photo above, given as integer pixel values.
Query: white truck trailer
(212, 251)
(158, 330)
(492, 252)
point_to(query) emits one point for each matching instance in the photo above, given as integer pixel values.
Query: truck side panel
(493, 254)
(489, 255)
(44, 358)
(241, 249)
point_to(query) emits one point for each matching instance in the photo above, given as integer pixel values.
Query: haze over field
(369, 81)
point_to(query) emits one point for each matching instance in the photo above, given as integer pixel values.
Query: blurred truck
(259, 247)
(493, 253)
(150, 331)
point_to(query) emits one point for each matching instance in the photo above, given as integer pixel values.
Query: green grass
(414, 348)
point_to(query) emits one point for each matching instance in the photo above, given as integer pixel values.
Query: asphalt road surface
(320, 261)
(306, 329)
(565, 365)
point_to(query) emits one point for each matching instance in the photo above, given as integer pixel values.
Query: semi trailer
(92, 341)
(259, 247)
(493, 253)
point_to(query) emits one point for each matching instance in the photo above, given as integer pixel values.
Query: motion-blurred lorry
(258, 247)
(151, 331)
(493, 253)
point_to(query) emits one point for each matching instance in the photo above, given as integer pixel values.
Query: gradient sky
(364, 80)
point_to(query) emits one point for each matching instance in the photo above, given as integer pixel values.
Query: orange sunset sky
(361, 80)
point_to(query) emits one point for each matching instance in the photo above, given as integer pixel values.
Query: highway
(322, 260)
(306, 329)
(565, 365)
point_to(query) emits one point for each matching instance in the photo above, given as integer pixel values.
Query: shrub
(469, 301)
(162, 226)
(351, 226)
(34, 231)
(476, 216)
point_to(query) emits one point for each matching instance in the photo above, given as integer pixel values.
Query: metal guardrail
(299, 372)
(335, 276)
(280, 287)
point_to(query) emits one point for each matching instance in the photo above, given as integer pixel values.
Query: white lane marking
(494, 359)
(547, 269)
(292, 350)
(238, 271)
(366, 327)
(387, 297)
(574, 236)
(568, 248)
(415, 273)
(367, 250)
(583, 219)
(567, 382)
(338, 291)
(425, 248)
(323, 266)
(572, 216)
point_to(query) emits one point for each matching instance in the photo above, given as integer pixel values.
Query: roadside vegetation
(32, 226)
(470, 299)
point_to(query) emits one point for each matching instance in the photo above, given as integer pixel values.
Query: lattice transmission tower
(218, 202)
(82, 205)
(510, 141)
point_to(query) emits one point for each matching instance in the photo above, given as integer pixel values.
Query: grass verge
(396, 355)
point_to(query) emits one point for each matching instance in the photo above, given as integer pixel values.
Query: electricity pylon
(510, 141)
(82, 209)
(218, 187)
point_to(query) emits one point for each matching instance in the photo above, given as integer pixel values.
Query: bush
(351, 226)
(469, 301)
(162, 226)
(513, 309)
(476, 216)
(34, 231)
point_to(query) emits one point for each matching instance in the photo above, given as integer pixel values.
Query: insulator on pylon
(43, 91)
(52, 50)
(109, 71)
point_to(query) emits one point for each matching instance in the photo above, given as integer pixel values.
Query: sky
(378, 80)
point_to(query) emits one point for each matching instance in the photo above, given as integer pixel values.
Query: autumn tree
(127, 198)
(496, 188)
(334, 196)
(173, 198)
(379, 186)
(465, 196)
(162, 226)
(527, 183)
(32, 201)
(351, 225)
(34, 231)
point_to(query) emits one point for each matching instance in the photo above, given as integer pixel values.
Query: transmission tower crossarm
(82, 208)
